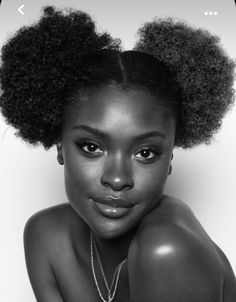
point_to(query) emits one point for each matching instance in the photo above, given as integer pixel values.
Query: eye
(146, 154)
(90, 148)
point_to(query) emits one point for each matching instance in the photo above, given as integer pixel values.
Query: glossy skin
(117, 166)
(170, 256)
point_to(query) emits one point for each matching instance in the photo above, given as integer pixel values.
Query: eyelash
(92, 154)
(88, 153)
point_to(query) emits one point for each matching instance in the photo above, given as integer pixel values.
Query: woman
(115, 117)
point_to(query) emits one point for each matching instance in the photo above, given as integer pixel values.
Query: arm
(229, 288)
(168, 264)
(37, 239)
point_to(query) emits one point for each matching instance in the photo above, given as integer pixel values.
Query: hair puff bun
(203, 72)
(41, 64)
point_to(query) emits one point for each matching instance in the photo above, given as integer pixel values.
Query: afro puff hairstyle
(202, 70)
(43, 65)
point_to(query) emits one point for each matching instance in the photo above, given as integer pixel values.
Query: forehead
(112, 108)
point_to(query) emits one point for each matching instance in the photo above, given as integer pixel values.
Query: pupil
(145, 153)
(91, 147)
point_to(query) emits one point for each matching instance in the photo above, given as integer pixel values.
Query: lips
(115, 202)
(112, 207)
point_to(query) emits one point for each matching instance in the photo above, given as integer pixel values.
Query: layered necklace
(115, 279)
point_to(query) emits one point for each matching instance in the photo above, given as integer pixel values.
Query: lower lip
(109, 211)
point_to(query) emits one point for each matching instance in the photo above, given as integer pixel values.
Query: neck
(113, 251)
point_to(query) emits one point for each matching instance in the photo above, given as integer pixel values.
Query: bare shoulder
(52, 213)
(43, 238)
(52, 231)
(52, 258)
(54, 217)
(172, 250)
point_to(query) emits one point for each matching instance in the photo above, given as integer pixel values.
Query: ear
(170, 169)
(59, 154)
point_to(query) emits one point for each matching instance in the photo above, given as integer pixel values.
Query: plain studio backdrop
(31, 179)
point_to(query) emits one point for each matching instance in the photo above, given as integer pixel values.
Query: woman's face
(116, 144)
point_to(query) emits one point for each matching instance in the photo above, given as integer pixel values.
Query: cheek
(151, 179)
(81, 174)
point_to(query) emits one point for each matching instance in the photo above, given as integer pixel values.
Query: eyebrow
(106, 135)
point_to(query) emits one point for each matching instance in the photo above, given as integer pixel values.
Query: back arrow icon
(20, 9)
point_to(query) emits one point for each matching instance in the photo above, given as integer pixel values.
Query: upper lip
(116, 202)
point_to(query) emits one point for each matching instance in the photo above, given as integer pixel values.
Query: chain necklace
(115, 278)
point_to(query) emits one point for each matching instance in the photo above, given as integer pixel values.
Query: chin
(114, 229)
(109, 231)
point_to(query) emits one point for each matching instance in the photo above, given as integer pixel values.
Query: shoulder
(45, 239)
(170, 252)
(50, 227)
(48, 220)
(53, 218)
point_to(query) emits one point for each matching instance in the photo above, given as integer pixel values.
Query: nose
(117, 175)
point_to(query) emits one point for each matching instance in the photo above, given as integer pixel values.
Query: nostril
(117, 175)
(117, 183)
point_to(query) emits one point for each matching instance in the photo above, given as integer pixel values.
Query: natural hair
(45, 64)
